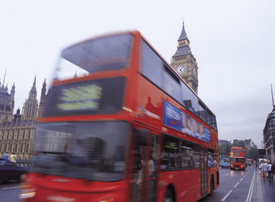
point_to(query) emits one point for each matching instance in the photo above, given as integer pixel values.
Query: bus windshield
(224, 160)
(86, 150)
(100, 54)
(237, 160)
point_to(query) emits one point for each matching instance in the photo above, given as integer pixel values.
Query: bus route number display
(79, 98)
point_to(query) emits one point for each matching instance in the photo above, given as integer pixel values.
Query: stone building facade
(249, 144)
(17, 131)
(269, 135)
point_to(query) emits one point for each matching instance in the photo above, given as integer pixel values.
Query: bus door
(204, 175)
(146, 153)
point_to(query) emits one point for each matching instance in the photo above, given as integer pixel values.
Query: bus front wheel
(168, 196)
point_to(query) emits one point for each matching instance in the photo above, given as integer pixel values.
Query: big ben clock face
(181, 69)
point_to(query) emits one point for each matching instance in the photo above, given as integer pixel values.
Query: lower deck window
(179, 154)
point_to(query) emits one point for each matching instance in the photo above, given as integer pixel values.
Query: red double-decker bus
(121, 125)
(237, 158)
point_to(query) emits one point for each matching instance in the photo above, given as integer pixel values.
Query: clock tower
(184, 62)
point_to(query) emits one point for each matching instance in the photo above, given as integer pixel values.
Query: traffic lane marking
(11, 187)
(250, 191)
(226, 195)
(237, 184)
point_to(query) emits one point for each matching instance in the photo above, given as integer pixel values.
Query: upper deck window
(100, 54)
(151, 65)
(171, 84)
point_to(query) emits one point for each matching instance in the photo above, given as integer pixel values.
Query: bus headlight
(26, 192)
(107, 200)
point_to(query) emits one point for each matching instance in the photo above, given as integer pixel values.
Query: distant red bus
(237, 158)
(121, 125)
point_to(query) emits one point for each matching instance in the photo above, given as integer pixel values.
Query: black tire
(168, 196)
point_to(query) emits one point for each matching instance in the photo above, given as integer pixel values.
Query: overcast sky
(233, 42)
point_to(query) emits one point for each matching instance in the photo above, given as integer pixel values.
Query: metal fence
(24, 162)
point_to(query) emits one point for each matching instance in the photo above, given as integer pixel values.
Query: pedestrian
(13, 157)
(261, 169)
(265, 169)
(269, 167)
(273, 168)
(7, 156)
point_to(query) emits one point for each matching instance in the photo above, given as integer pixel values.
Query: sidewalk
(264, 189)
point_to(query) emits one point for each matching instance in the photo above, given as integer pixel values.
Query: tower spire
(272, 97)
(42, 100)
(34, 82)
(4, 78)
(33, 92)
(183, 33)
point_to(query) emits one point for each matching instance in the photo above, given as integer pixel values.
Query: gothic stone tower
(31, 104)
(42, 100)
(184, 62)
(6, 103)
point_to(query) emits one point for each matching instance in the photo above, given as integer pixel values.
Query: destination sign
(100, 96)
(80, 98)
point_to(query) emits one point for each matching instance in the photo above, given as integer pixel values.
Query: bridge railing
(24, 162)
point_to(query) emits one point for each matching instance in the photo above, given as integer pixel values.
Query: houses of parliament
(17, 130)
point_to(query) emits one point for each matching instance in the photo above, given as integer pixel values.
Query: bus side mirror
(142, 136)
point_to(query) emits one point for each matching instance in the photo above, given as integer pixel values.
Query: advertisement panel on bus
(178, 120)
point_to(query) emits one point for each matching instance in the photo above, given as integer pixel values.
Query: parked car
(10, 171)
